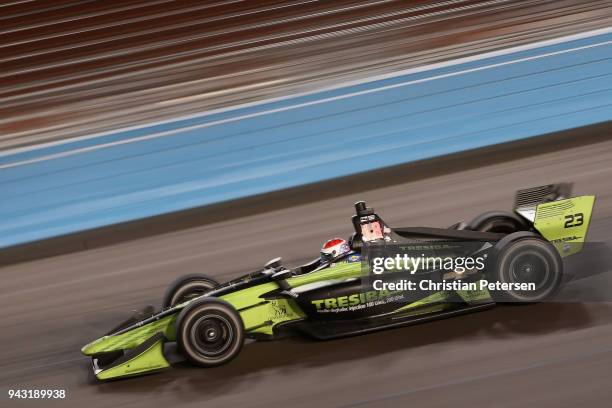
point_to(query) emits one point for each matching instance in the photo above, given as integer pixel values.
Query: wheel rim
(530, 267)
(211, 335)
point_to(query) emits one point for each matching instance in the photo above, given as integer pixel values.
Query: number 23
(574, 220)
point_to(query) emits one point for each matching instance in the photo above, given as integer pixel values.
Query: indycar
(334, 297)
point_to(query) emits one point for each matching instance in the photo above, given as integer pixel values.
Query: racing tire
(209, 332)
(188, 287)
(497, 221)
(527, 260)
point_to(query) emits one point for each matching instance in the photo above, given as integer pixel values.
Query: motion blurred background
(76, 67)
(142, 140)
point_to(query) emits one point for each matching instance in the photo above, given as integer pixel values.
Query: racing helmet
(334, 249)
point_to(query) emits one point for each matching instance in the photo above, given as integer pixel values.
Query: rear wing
(561, 219)
(526, 200)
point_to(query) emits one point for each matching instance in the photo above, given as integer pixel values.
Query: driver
(334, 249)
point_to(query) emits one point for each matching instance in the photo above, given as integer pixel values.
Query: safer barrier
(98, 180)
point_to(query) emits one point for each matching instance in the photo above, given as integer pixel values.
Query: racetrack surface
(547, 355)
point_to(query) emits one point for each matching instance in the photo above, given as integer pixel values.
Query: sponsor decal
(564, 239)
(353, 258)
(278, 311)
(356, 301)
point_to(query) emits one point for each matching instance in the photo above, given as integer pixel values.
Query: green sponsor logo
(353, 300)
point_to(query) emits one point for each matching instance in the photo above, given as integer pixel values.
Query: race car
(336, 295)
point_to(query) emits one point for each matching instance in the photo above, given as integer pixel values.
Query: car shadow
(297, 353)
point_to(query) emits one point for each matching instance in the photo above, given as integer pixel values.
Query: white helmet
(334, 249)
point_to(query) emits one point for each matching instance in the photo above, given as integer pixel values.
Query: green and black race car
(338, 295)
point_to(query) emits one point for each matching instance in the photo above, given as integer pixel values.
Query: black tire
(498, 221)
(527, 260)
(188, 287)
(209, 332)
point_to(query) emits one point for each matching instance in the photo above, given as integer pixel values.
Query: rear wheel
(188, 287)
(528, 260)
(209, 332)
(497, 221)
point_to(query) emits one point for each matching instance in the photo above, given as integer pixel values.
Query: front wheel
(209, 332)
(188, 287)
(532, 261)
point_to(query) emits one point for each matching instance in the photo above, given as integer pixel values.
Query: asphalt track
(547, 355)
(88, 66)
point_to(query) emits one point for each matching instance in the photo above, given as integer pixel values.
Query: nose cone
(90, 348)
